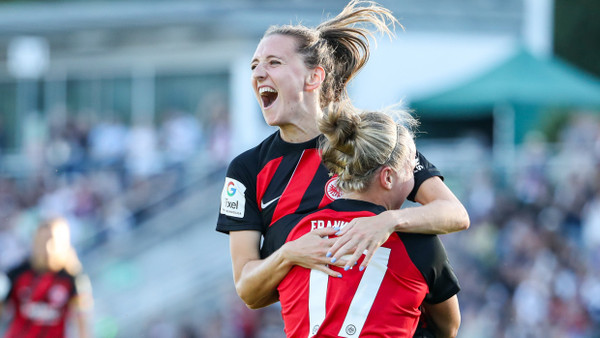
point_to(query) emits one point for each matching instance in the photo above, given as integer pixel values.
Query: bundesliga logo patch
(233, 201)
(331, 189)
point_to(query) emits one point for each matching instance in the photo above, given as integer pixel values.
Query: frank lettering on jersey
(233, 201)
(320, 224)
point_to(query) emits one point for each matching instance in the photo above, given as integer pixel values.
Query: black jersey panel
(429, 256)
(66, 275)
(347, 205)
(274, 146)
(242, 169)
(423, 171)
(315, 191)
(276, 235)
(276, 186)
(13, 274)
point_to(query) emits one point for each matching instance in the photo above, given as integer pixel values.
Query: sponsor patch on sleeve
(233, 200)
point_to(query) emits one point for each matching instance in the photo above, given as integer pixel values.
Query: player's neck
(374, 196)
(39, 265)
(298, 133)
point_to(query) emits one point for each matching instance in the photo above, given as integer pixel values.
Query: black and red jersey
(40, 301)
(277, 178)
(381, 301)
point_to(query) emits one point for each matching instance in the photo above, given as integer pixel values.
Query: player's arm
(445, 317)
(80, 317)
(441, 212)
(81, 305)
(256, 279)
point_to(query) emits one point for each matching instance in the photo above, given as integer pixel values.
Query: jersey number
(361, 302)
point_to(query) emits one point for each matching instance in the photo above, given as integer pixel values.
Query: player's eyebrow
(267, 57)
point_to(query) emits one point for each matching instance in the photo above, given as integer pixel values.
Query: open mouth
(268, 95)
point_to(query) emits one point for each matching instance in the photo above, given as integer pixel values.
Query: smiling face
(279, 78)
(51, 245)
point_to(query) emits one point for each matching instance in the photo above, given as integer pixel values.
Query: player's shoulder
(19, 269)
(64, 273)
(419, 240)
(253, 156)
(423, 249)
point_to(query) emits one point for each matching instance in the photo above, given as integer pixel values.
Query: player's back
(381, 301)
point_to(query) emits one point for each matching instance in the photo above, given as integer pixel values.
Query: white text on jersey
(320, 224)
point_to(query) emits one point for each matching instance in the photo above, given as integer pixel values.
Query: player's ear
(386, 178)
(315, 78)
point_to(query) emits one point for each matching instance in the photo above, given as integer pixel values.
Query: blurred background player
(49, 287)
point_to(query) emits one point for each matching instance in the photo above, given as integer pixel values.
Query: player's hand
(309, 251)
(365, 233)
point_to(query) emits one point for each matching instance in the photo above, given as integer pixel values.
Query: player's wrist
(287, 258)
(395, 221)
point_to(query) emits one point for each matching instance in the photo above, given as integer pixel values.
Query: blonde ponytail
(356, 144)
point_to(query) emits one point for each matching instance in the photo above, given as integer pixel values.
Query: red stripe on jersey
(264, 177)
(394, 310)
(19, 322)
(298, 184)
(402, 289)
(326, 200)
(40, 292)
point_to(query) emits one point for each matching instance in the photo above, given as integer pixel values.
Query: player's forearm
(437, 217)
(82, 325)
(445, 317)
(446, 329)
(257, 284)
(440, 212)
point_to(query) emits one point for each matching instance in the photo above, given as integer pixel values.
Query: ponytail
(340, 45)
(348, 42)
(357, 144)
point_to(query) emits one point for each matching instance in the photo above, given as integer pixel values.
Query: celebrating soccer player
(296, 72)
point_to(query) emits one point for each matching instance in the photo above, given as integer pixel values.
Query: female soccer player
(373, 158)
(296, 71)
(49, 287)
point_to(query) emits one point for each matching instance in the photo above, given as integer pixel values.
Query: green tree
(577, 33)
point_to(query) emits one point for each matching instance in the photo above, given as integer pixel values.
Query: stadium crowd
(530, 263)
(103, 176)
